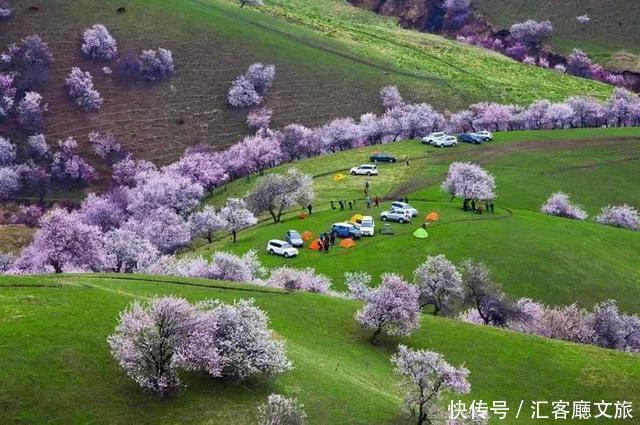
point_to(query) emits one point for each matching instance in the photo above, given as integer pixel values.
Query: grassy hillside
(612, 31)
(332, 59)
(554, 260)
(57, 366)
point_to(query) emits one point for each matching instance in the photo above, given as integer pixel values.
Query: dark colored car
(381, 157)
(346, 230)
(470, 138)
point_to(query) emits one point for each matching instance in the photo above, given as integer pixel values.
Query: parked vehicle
(278, 247)
(346, 230)
(431, 138)
(294, 238)
(365, 170)
(382, 157)
(470, 138)
(396, 214)
(447, 141)
(487, 136)
(398, 205)
(367, 226)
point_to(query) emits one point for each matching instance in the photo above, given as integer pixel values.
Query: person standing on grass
(473, 205)
(333, 206)
(341, 202)
(332, 238)
(376, 201)
(326, 243)
(309, 208)
(406, 160)
(368, 202)
(492, 209)
(350, 205)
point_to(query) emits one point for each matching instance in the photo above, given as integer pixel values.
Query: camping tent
(303, 216)
(356, 218)
(386, 229)
(421, 233)
(432, 216)
(339, 177)
(347, 243)
(307, 235)
(315, 245)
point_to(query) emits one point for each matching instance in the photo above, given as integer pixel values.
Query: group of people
(471, 205)
(342, 204)
(326, 241)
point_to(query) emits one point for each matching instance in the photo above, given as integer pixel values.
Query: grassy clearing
(533, 255)
(58, 368)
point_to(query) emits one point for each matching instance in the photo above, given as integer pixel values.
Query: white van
(367, 226)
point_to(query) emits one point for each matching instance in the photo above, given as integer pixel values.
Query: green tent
(421, 233)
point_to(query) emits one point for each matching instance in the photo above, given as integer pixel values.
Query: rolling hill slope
(57, 366)
(613, 28)
(331, 60)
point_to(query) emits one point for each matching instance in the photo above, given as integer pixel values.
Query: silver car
(396, 214)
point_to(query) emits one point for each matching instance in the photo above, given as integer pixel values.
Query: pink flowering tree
(102, 211)
(339, 134)
(579, 64)
(7, 152)
(530, 32)
(165, 190)
(63, 242)
(80, 88)
(559, 115)
(419, 120)
(359, 285)
(203, 168)
(391, 98)
(457, 13)
(67, 165)
(30, 60)
(275, 193)
(31, 111)
(297, 142)
(259, 119)
(236, 216)
(124, 172)
(161, 226)
(29, 215)
(10, 183)
(233, 342)
(426, 380)
(559, 204)
(148, 338)
(439, 283)
(622, 216)
(587, 112)
(126, 252)
(392, 309)
(97, 43)
(248, 89)
(293, 279)
(470, 182)
(206, 223)
(156, 65)
(281, 410)
(259, 152)
(261, 76)
(106, 147)
(7, 94)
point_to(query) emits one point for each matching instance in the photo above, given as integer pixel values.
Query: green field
(331, 58)
(56, 366)
(547, 258)
(612, 32)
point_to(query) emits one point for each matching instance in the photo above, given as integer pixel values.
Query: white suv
(446, 141)
(431, 138)
(395, 214)
(404, 206)
(365, 170)
(278, 247)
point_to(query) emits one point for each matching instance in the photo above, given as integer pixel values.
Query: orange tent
(315, 245)
(307, 235)
(433, 216)
(347, 243)
(303, 216)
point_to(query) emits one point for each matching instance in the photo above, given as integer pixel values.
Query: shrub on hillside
(9, 183)
(559, 204)
(294, 279)
(98, 43)
(67, 165)
(156, 65)
(29, 215)
(37, 146)
(7, 152)
(280, 410)
(31, 111)
(30, 60)
(623, 216)
(7, 94)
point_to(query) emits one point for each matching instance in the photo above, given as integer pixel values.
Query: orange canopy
(347, 243)
(433, 216)
(302, 216)
(307, 235)
(315, 245)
